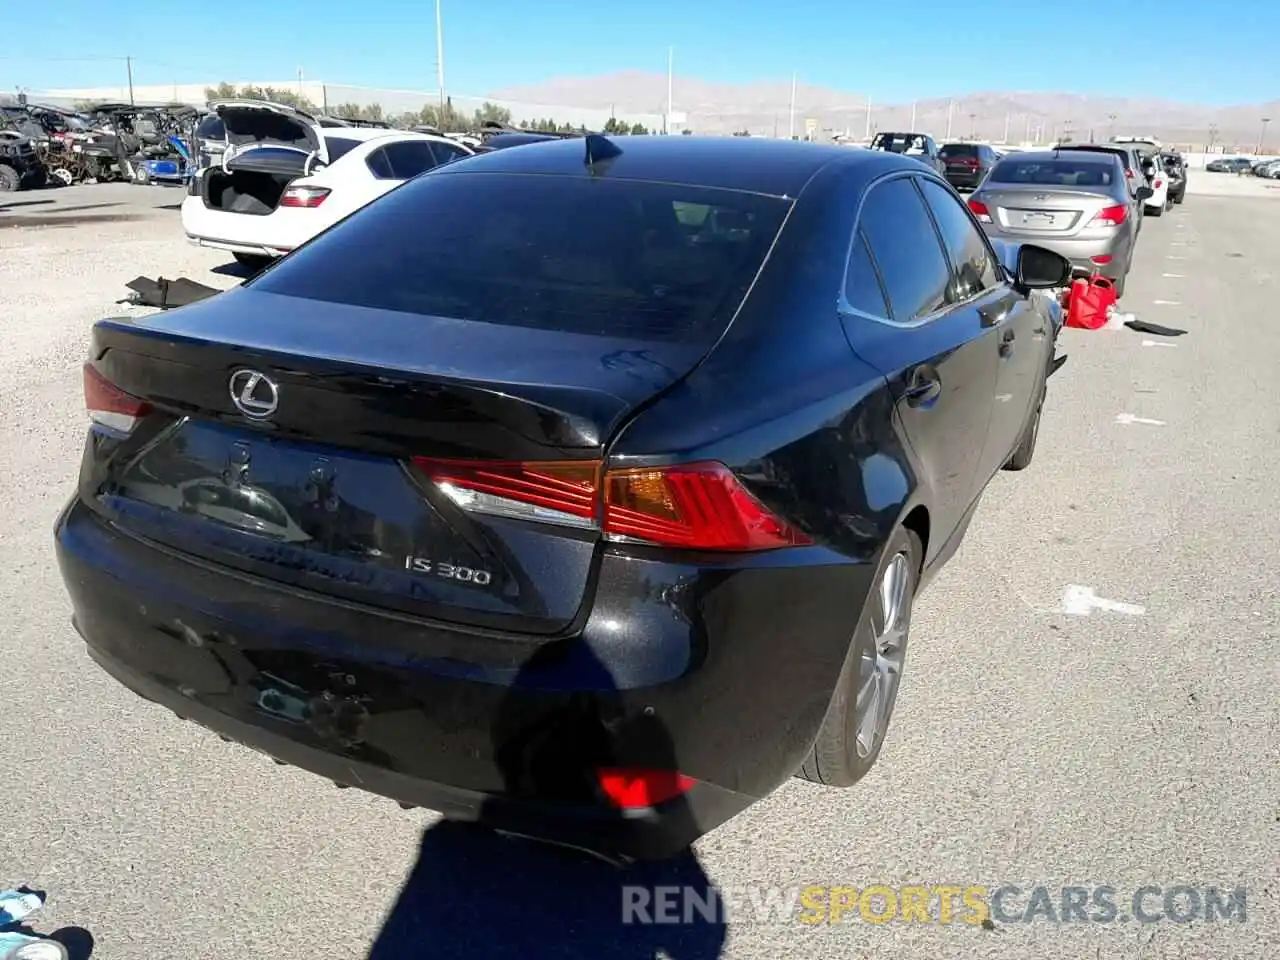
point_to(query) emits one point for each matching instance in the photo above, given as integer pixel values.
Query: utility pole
(1262, 137)
(1027, 135)
(950, 106)
(1006, 129)
(1111, 125)
(973, 126)
(671, 60)
(868, 133)
(913, 116)
(301, 95)
(128, 65)
(791, 125)
(440, 62)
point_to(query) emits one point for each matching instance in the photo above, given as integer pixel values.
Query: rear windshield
(337, 146)
(1067, 172)
(958, 150)
(604, 257)
(898, 143)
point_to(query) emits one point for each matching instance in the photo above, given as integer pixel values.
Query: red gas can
(1089, 302)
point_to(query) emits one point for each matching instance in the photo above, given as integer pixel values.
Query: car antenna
(599, 149)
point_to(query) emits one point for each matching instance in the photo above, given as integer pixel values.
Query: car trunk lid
(285, 450)
(251, 125)
(1039, 210)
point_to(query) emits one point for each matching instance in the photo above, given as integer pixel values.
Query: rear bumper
(723, 675)
(233, 246)
(964, 180)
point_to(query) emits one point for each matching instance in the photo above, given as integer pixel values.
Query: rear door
(1018, 333)
(938, 356)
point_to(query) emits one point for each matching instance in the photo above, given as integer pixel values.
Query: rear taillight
(980, 210)
(109, 406)
(1158, 183)
(1129, 173)
(1110, 216)
(639, 789)
(308, 197)
(698, 506)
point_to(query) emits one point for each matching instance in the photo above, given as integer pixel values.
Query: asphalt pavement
(1090, 697)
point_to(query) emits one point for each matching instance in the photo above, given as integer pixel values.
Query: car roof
(361, 133)
(1043, 155)
(751, 164)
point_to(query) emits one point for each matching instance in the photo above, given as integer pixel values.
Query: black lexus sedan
(581, 490)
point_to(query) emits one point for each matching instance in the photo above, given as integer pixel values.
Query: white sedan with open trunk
(283, 178)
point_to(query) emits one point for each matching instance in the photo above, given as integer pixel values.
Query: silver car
(1076, 204)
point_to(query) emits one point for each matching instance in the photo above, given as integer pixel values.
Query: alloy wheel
(880, 666)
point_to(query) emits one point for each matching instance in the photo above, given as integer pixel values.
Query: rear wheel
(1026, 448)
(1155, 211)
(9, 179)
(254, 261)
(858, 718)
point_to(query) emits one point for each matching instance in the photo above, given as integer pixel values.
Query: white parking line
(1172, 257)
(1167, 303)
(1172, 276)
(1078, 601)
(1128, 418)
(1157, 343)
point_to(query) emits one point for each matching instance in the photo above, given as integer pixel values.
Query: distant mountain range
(763, 108)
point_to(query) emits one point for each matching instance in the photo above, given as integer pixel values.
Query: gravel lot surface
(1030, 746)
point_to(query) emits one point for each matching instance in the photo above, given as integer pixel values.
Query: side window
(904, 243)
(379, 165)
(410, 158)
(862, 289)
(445, 152)
(971, 258)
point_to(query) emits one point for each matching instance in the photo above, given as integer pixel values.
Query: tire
(1154, 211)
(9, 179)
(1026, 449)
(254, 261)
(141, 176)
(837, 759)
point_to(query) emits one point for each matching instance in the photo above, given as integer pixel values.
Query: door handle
(924, 388)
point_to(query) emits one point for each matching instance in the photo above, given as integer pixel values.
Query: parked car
(1229, 165)
(1175, 168)
(966, 164)
(1074, 203)
(921, 146)
(1262, 167)
(1270, 171)
(1137, 174)
(20, 163)
(282, 177)
(548, 490)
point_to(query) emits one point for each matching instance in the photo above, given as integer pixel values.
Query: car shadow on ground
(477, 894)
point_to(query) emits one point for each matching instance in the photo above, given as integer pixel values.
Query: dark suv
(20, 164)
(967, 164)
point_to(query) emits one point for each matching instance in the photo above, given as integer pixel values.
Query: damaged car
(282, 177)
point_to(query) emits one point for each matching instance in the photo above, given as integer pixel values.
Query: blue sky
(1193, 51)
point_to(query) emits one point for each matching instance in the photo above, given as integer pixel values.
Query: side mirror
(1145, 193)
(1041, 269)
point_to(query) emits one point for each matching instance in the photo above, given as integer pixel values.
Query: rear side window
(971, 258)
(905, 246)
(862, 290)
(448, 152)
(958, 150)
(410, 158)
(338, 146)
(604, 257)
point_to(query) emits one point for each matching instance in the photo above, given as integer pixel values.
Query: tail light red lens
(1158, 184)
(699, 506)
(109, 406)
(1110, 216)
(638, 789)
(980, 210)
(308, 197)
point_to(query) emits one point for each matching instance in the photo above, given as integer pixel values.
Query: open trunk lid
(315, 487)
(252, 125)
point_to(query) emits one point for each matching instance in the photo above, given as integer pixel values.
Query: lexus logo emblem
(254, 394)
